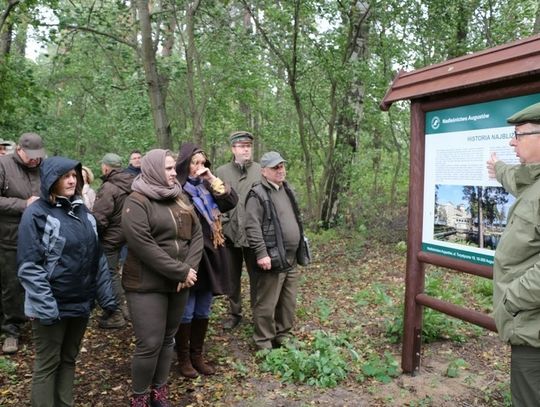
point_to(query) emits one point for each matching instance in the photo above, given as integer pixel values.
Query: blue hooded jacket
(60, 261)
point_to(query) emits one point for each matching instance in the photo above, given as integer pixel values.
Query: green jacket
(516, 269)
(240, 178)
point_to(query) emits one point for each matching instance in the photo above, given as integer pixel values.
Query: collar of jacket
(111, 173)
(268, 185)
(242, 167)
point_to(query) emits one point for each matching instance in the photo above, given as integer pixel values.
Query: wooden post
(414, 277)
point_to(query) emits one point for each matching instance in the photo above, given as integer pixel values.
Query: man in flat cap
(274, 231)
(516, 269)
(240, 174)
(107, 210)
(19, 188)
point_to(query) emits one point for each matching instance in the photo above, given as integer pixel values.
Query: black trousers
(12, 294)
(237, 256)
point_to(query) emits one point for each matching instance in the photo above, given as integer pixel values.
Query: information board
(465, 212)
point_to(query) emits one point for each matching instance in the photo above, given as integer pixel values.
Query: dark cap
(530, 114)
(271, 159)
(112, 160)
(238, 136)
(32, 144)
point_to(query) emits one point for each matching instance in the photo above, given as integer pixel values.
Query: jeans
(198, 306)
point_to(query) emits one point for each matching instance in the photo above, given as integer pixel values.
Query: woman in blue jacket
(63, 271)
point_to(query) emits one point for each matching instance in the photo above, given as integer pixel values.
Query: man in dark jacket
(240, 174)
(134, 166)
(273, 230)
(108, 212)
(19, 188)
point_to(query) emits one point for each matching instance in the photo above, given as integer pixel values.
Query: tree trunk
(5, 39)
(157, 98)
(536, 28)
(336, 177)
(195, 109)
(11, 4)
(480, 195)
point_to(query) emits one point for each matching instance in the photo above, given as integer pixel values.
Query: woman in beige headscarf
(165, 245)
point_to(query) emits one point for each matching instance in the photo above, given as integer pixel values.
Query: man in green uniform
(516, 270)
(240, 174)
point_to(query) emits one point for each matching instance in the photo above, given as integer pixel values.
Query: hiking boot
(114, 321)
(158, 397)
(139, 400)
(232, 322)
(11, 345)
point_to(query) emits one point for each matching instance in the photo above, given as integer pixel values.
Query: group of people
(181, 234)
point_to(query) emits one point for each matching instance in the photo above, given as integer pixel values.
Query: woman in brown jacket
(210, 197)
(165, 245)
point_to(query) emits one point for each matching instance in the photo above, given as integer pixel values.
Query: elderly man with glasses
(274, 232)
(516, 269)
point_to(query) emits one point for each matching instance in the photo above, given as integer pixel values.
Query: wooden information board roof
(505, 62)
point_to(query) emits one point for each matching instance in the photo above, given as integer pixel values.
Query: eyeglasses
(243, 144)
(526, 133)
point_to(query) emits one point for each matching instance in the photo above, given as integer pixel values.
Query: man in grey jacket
(240, 174)
(19, 188)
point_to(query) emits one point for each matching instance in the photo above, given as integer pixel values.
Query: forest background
(304, 76)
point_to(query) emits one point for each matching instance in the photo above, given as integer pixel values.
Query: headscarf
(152, 181)
(202, 199)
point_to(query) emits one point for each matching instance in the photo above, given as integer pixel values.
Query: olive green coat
(240, 178)
(516, 289)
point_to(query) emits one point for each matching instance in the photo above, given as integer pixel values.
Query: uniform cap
(530, 114)
(238, 136)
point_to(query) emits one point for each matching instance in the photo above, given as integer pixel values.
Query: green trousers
(275, 307)
(56, 348)
(525, 376)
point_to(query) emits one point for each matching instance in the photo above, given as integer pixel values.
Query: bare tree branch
(94, 31)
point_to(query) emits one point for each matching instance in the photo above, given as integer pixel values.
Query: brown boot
(182, 348)
(198, 333)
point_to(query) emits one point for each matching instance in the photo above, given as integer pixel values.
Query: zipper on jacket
(175, 231)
